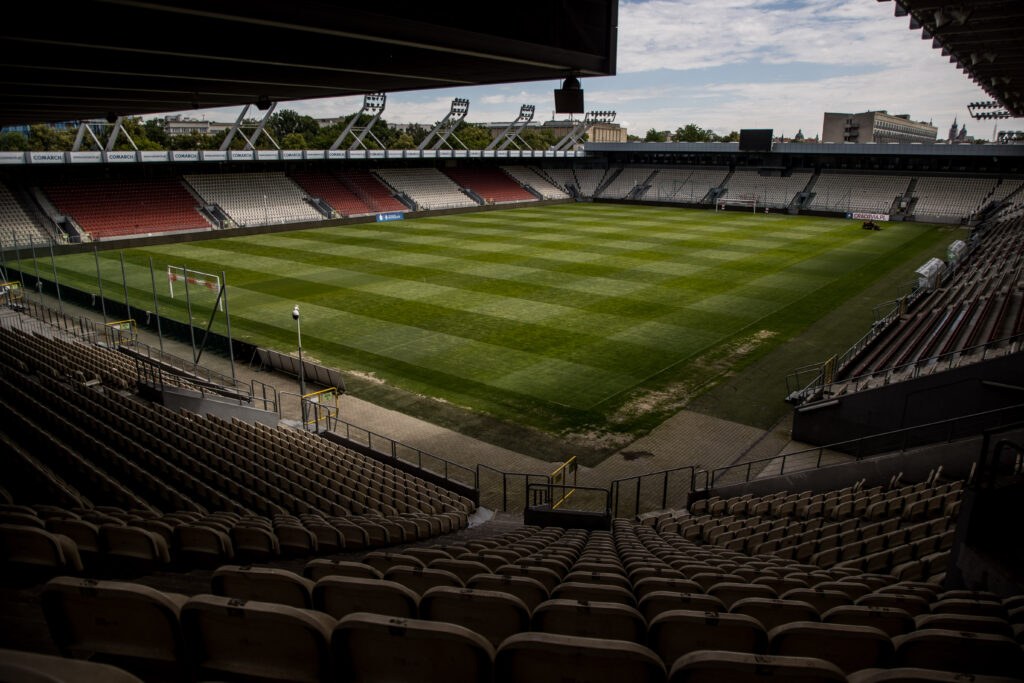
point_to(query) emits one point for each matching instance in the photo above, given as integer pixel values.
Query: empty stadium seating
(259, 198)
(330, 189)
(528, 176)
(15, 225)
(491, 184)
(844, 192)
(688, 185)
(428, 187)
(769, 190)
(120, 208)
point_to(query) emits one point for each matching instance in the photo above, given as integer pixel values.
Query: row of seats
(773, 191)
(970, 316)
(16, 227)
(117, 208)
(490, 183)
(845, 192)
(848, 622)
(259, 198)
(685, 185)
(428, 187)
(528, 176)
(331, 190)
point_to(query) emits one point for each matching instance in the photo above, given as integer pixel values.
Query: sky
(726, 65)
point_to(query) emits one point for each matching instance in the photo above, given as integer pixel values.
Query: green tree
(473, 136)
(734, 136)
(694, 133)
(288, 121)
(655, 136)
(43, 138)
(13, 141)
(403, 141)
(538, 138)
(294, 141)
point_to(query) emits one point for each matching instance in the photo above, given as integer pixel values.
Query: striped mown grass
(554, 317)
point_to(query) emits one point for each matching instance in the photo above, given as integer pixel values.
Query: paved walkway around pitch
(686, 439)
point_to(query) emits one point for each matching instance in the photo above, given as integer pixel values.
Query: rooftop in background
(982, 37)
(95, 58)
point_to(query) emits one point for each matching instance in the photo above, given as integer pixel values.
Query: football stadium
(371, 403)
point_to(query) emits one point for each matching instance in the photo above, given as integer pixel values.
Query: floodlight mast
(512, 131)
(117, 128)
(446, 127)
(260, 129)
(373, 105)
(572, 138)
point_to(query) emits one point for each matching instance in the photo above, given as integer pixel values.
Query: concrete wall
(966, 390)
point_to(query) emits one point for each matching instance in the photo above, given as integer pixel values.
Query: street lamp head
(295, 312)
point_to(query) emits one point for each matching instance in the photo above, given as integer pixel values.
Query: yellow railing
(561, 476)
(327, 398)
(121, 332)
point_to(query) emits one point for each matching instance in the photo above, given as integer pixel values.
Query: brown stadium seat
(848, 647)
(115, 619)
(590, 619)
(259, 640)
(30, 667)
(530, 591)
(675, 633)
(383, 561)
(772, 613)
(493, 615)
(713, 666)
(464, 569)
(201, 545)
(657, 602)
(822, 600)
(891, 620)
(965, 622)
(31, 550)
(343, 595)
(592, 592)
(254, 543)
(919, 675)
(132, 549)
(372, 647)
(960, 651)
(263, 584)
(657, 583)
(554, 658)
(420, 580)
(320, 567)
(911, 604)
(730, 592)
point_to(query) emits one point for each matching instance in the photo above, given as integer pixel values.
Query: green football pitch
(554, 317)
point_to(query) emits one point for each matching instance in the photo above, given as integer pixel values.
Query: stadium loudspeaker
(569, 98)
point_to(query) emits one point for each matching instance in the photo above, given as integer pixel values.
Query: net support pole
(17, 254)
(39, 283)
(56, 282)
(191, 329)
(227, 319)
(99, 281)
(124, 283)
(156, 305)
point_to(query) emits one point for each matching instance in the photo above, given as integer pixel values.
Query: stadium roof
(985, 38)
(64, 60)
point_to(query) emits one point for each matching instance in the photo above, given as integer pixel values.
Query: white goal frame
(195, 277)
(752, 202)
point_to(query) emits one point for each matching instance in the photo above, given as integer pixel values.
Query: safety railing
(590, 498)
(378, 443)
(192, 371)
(562, 475)
(73, 325)
(888, 442)
(492, 482)
(671, 487)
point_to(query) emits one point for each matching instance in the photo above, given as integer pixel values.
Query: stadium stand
(958, 196)
(685, 185)
(527, 176)
(562, 178)
(15, 224)
(846, 192)
(428, 187)
(626, 180)
(122, 208)
(977, 313)
(370, 190)
(331, 190)
(490, 183)
(769, 190)
(836, 584)
(259, 198)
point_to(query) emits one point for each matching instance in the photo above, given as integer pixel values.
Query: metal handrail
(546, 496)
(617, 485)
(859, 443)
(504, 481)
(395, 447)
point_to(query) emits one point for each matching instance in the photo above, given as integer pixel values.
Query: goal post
(197, 278)
(753, 203)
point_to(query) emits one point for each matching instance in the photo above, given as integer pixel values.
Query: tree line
(290, 129)
(691, 132)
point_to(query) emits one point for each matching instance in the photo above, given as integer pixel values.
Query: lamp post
(298, 332)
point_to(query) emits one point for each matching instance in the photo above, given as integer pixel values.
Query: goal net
(752, 203)
(194, 278)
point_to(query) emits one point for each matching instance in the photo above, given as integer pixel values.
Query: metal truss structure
(257, 130)
(446, 127)
(511, 133)
(373, 105)
(572, 138)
